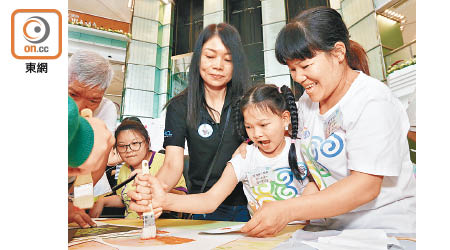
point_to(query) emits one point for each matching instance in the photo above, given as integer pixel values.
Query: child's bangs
(292, 43)
(265, 106)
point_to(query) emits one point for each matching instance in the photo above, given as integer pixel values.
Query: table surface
(238, 242)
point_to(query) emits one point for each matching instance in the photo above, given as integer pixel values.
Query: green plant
(396, 67)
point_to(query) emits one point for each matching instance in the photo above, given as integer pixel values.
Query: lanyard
(217, 152)
(151, 159)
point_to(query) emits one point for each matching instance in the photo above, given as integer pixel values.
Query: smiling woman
(218, 74)
(352, 131)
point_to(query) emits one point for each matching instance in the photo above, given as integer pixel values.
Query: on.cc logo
(36, 29)
(36, 34)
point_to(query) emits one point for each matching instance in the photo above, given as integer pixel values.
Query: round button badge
(205, 130)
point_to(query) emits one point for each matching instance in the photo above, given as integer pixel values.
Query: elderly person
(89, 76)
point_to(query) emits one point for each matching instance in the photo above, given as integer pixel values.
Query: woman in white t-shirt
(353, 134)
(270, 173)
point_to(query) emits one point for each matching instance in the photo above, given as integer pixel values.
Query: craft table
(112, 234)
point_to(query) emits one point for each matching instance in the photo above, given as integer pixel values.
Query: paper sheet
(170, 234)
(224, 230)
(300, 236)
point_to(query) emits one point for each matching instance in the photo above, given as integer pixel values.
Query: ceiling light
(392, 15)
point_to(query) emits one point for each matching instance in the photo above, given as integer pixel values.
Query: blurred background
(149, 44)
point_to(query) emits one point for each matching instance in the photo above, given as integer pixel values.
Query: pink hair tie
(247, 141)
(279, 90)
(293, 140)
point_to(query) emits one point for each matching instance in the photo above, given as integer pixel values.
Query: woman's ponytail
(357, 57)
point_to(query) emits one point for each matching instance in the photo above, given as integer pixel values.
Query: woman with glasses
(133, 146)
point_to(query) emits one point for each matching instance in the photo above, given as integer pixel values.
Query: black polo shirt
(202, 145)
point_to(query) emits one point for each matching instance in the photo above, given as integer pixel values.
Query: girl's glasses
(134, 146)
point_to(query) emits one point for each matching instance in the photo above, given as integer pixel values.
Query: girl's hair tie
(279, 90)
(247, 141)
(293, 140)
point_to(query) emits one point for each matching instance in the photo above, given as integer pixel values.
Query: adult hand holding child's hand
(158, 195)
(141, 197)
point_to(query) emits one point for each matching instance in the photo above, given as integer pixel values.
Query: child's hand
(97, 209)
(242, 149)
(114, 158)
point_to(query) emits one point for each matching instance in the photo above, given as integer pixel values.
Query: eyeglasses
(134, 146)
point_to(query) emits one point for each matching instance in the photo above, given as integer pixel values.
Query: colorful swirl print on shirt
(329, 148)
(279, 188)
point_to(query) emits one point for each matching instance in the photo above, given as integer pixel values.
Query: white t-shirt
(102, 186)
(370, 127)
(268, 179)
(107, 112)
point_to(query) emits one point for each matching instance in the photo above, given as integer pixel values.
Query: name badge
(304, 134)
(259, 176)
(205, 130)
(333, 123)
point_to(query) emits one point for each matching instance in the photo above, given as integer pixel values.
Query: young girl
(353, 134)
(133, 146)
(271, 170)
